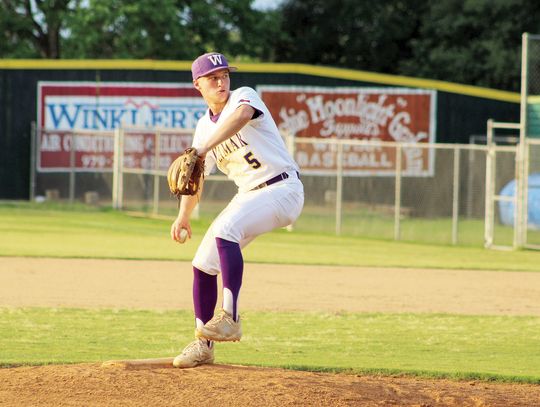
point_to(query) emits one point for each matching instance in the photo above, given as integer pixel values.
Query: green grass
(53, 230)
(463, 347)
(431, 345)
(361, 221)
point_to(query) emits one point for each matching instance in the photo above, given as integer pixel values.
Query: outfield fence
(530, 136)
(356, 187)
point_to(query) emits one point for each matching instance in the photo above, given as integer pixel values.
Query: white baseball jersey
(255, 154)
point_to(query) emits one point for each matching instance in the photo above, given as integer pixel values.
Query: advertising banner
(94, 151)
(83, 116)
(371, 114)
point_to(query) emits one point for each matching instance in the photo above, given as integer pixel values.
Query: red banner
(375, 114)
(63, 150)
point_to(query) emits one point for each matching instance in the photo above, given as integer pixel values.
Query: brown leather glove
(185, 173)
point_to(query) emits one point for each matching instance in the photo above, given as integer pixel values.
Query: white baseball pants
(248, 215)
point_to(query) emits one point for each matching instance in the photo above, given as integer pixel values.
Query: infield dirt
(155, 285)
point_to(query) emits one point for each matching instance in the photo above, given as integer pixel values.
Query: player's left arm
(232, 125)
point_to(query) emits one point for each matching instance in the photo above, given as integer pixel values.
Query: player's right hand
(179, 224)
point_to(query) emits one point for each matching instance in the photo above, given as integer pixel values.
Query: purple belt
(273, 180)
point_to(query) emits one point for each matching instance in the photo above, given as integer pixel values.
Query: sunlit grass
(77, 231)
(433, 345)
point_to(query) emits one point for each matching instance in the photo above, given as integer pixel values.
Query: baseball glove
(185, 173)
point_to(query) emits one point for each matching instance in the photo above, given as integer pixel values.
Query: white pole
(291, 145)
(72, 168)
(517, 197)
(116, 163)
(121, 134)
(397, 196)
(526, 160)
(33, 153)
(339, 188)
(470, 182)
(455, 197)
(157, 153)
(488, 217)
(521, 178)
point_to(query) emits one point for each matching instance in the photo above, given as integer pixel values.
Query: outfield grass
(432, 345)
(470, 232)
(464, 347)
(52, 231)
(361, 221)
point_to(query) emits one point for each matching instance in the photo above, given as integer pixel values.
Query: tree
(151, 29)
(348, 33)
(477, 42)
(157, 29)
(31, 28)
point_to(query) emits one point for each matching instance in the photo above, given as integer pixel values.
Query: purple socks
(232, 269)
(205, 285)
(204, 295)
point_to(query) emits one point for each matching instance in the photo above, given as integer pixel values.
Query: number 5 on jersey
(252, 161)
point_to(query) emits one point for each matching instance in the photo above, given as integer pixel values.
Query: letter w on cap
(215, 59)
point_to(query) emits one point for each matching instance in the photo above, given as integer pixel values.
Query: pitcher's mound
(226, 385)
(139, 364)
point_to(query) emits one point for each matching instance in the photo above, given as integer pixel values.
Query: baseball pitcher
(238, 135)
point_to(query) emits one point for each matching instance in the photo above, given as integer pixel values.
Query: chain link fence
(531, 65)
(532, 237)
(530, 117)
(443, 204)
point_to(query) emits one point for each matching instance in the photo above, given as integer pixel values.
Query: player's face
(214, 87)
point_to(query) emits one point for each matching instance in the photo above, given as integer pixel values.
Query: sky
(266, 4)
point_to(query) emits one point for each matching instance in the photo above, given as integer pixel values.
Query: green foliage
(157, 29)
(364, 35)
(126, 29)
(30, 29)
(15, 34)
(474, 42)
(432, 345)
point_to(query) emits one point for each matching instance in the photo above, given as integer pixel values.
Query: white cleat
(221, 328)
(196, 353)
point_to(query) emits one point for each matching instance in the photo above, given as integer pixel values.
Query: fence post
(470, 183)
(33, 150)
(117, 169)
(157, 152)
(72, 168)
(526, 169)
(489, 210)
(455, 196)
(520, 216)
(397, 196)
(339, 187)
(290, 142)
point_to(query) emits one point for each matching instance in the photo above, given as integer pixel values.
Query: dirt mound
(155, 285)
(226, 385)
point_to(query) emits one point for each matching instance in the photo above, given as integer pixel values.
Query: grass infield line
(495, 348)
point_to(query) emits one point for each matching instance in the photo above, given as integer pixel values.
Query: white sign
(103, 106)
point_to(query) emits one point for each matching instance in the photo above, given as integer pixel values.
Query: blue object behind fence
(506, 209)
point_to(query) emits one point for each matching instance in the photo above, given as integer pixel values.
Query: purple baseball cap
(208, 63)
